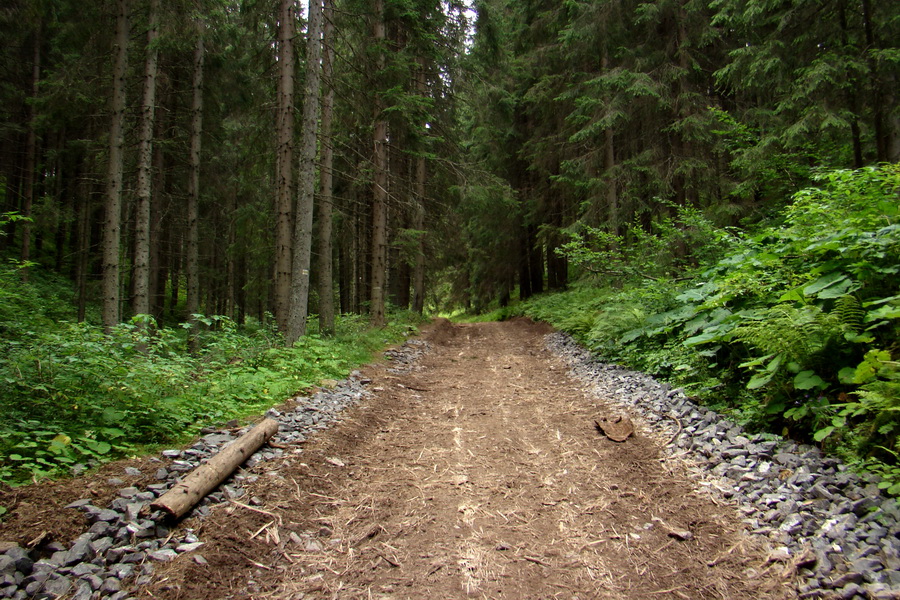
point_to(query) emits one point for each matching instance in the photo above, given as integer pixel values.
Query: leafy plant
(75, 396)
(790, 328)
(674, 244)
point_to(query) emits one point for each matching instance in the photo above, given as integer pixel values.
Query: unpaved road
(477, 475)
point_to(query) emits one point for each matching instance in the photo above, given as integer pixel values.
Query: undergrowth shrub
(74, 396)
(791, 328)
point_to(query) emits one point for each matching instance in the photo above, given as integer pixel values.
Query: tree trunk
(525, 287)
(83, 245)
(10, 193)
(345, 261)
(341, 240)
(418, 272)
(160, 234)
(65, 192)
(141, 273)
(205, 478)
(230, 264)
(362, 252)
(535, 261)
(557, 266)
(284, 162)
(112, 227)
(30, 153)
(326, 285)
(306, 179)
(380, 186)
(192, 258)
(400, 182)
(240, 294)
(175, 264)
(882, 137)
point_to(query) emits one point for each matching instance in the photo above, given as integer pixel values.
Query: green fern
(849, 312)
(578, 324)
(615, 320)
(795, 333)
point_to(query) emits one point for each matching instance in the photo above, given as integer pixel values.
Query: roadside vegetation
(73, 396)
(790, 327)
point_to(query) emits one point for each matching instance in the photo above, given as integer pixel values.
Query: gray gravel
(836, 526)
(124, 540)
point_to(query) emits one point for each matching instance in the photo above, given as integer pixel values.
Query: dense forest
(715, 182)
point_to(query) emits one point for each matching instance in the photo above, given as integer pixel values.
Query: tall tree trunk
(686, 184)
(557, 266)
(141, 274)
(284, 161)
(306, 179)
(192, 258)
(851, 93)
(326, 203)
(525, 287)
(65, 194)
(176, 262)
(882, 136)
(31, 152)
(345, 261)
(418, 224)
(362, 246)
(83, 253)
(230, 264)
(160, 235)
(609, 163)
(240, 282)
(349, 249)
(380, 186)
(112, 227)
(10, 193)
(535, 261)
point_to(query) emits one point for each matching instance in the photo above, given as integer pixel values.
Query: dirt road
(479, 474)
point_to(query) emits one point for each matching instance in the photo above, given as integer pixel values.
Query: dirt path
(477, 475)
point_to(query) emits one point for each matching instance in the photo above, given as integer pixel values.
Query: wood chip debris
(679, 534)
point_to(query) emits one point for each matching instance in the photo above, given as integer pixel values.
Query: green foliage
(794, 329)
(673, 245)
(74, 396)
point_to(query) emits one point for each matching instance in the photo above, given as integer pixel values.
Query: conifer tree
(112, 227)
(284, 161)
(141, 271)
(300, 278)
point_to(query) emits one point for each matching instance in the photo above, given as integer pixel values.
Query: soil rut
(479, 474)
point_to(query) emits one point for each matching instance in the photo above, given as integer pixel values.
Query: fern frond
(795, 333)
(850, 313)
(578, 324)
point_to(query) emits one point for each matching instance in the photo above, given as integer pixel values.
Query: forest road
(476, 474)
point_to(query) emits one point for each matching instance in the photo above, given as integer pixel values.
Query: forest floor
(477, 474)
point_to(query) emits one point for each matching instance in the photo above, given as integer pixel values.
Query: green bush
(75, 395)
(790, 328)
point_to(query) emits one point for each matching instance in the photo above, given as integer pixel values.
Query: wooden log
(205, 478)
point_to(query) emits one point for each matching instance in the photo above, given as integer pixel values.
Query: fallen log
(205, 478)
